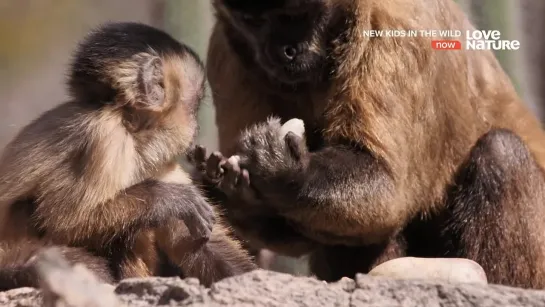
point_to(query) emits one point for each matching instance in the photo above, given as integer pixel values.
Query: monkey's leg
(496, 209)
(209, 261)
(218, 258)
(139, 257)
(136, 259)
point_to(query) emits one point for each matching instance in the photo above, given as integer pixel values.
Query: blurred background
(37, 38)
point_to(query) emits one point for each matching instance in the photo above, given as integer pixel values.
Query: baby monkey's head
(140, 72)
(286, 39)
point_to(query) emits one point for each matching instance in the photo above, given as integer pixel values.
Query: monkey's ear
(151, 84)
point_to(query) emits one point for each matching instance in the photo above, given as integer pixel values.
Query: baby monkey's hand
(184, 202)
(260, 147)
(224, 174)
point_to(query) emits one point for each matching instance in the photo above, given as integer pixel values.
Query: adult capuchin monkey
(408, 151)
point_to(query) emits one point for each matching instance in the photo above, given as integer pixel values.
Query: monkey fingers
(270, 157)
(200, 224)
(214, 171)
(197, 156)
(233, 170)
(187, 204)
(209, 168)
(296, 146)
(231, 181)
(236, 181)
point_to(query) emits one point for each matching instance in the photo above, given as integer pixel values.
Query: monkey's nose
(289, 52)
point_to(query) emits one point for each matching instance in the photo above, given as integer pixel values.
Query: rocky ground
(67, 286)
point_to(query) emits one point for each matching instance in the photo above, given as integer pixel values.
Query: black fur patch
(262, 6)
(108, 45)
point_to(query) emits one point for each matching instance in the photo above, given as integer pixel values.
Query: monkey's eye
(252, 20)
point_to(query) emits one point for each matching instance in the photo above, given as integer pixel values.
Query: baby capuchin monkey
(98, 175)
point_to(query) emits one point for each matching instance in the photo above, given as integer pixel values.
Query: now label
(446, 45)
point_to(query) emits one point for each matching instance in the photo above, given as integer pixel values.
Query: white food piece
(294, 125)
(234, 160)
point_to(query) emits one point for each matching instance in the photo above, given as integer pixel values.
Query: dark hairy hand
(272, 161)
(269, 156)
(185, 202)
(224, 174)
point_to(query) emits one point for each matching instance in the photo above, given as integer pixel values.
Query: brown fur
(220, 257)
(403, 119)
(100, 173)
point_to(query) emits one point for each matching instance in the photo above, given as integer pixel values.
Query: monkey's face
(285, 38)
(159, 96)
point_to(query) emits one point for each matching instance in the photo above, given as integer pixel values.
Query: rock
(294, 125)
(161, 291)
(446, 269)
(381, 291)
(67, 286)
(23, 297)
(266, 288)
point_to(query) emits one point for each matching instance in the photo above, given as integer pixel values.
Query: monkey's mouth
(292, 74)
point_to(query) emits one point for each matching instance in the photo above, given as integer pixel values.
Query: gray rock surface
(65, 285)
(265, 288)
(23, 297)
